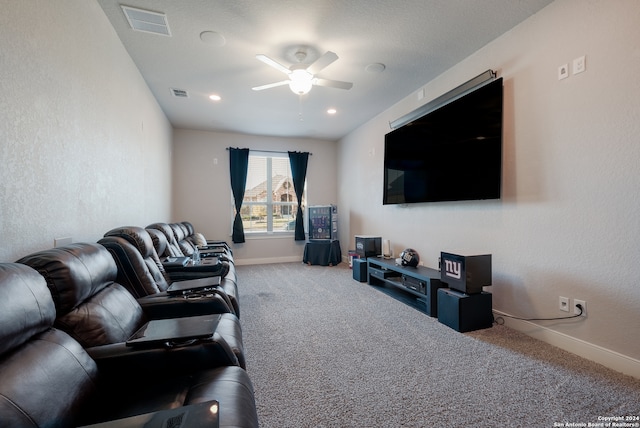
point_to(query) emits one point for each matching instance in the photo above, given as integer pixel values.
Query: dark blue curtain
(298, 163)
(238, 165)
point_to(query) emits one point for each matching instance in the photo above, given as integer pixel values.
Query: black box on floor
(360, 270)
(464, 312)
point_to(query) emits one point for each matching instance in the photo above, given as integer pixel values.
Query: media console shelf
(420, 281)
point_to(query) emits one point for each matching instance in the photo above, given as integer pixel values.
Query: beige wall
(84, 146)
(202, 188)
(567, 224)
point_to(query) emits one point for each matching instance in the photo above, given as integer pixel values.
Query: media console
(420, 281)
(460, 311)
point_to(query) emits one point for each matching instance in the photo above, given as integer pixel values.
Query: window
(270, 202)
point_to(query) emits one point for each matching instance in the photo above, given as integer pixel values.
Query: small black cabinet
(464, 312)
(420, 281)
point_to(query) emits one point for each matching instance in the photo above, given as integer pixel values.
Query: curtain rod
(270, 151)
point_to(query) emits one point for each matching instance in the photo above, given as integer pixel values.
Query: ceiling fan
(303, 76)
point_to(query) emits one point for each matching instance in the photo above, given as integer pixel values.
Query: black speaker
(360, 270)
(464, 312)
(368, 246)
(467, 274)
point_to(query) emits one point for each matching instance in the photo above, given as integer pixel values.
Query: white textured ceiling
(416, 40)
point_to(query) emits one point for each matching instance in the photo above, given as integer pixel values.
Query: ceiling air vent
(147, 21)
(180, 93)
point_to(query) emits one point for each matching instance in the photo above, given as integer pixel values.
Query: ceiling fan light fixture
(300, 81)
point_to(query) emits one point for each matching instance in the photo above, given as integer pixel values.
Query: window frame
(270, 204)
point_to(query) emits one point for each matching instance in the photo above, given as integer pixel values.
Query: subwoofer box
(360, 270)
(464, 312)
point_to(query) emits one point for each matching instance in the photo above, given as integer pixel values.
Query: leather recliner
(200, 241)
(218, 265)
(188, 247)
(97, 311)
(177, 242)
(180, 232)
(48, 380)
(148, 242)
(173, 248)
(141, 272)
(229, 281)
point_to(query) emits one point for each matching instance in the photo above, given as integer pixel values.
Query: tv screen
(453, 153)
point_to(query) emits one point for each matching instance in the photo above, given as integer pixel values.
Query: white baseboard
(608, 358)
(264, 261)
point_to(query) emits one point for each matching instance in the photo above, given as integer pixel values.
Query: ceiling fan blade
(273, 63)
(332, 83)
(270, 85)
(322, 62)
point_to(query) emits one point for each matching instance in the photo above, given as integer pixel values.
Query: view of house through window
(270, 202)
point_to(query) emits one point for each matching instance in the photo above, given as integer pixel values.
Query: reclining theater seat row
(47, 379)
(199, 240)
(185, 237)
(141, 272)
(206, 267)
(172, 249)
(145, 280)
(96, 311)
(181, 241)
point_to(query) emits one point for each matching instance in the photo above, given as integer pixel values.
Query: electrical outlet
(576, 310)
(61, 242)
(564, 304)
(579, 65)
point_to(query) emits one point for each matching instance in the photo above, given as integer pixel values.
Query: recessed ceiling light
(213, 38)
(375, 68)
(215, 97)
(332, 111)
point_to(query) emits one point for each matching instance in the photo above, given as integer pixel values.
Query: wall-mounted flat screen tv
(453, 153)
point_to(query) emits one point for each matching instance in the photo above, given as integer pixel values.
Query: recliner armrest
(202, 270)
(118, 359)
(161, 305)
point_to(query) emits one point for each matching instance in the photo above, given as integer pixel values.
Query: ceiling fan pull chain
(300, 117)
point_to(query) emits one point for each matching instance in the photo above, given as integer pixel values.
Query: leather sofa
(47, 379)
(99, 312)
(200, 241)
(149, 242)
(203, 269)
(141, 272)
(189, 247)
(173, 248)
(178, 243)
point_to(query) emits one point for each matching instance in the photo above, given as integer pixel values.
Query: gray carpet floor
(324, 350)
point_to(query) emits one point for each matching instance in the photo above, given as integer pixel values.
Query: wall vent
(147, 21)
(180, 93)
